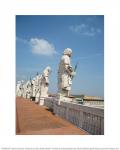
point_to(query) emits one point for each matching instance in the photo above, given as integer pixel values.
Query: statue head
(22, 81)
(47, 70)
(18, 82)
(68, 52)
(34, 79)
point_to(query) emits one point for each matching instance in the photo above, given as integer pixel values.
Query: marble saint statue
(65, 73)
(37, 96)
(33, 90)
(44, 84)
(28, 89)
(18, 90)
(22, 87)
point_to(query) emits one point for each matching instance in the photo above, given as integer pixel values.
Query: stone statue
(41, 84)
(65, 73)
(28, 89)
(45, 82)
(37, 96)
(22, 87)
(33, 89)
(18, 89)
(24, 90)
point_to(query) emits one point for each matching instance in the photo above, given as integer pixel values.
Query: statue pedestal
(37, 100)
(28, 96)
(41, 101)
(24, 96)
(60, 98)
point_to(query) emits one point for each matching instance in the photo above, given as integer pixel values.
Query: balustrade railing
(90, 119)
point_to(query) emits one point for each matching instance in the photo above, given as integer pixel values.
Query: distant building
(93, 100)
(90, 100)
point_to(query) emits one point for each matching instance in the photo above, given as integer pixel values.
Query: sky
(41, 40)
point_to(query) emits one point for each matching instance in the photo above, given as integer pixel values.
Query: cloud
(42, 47)
(39, 46)
(21, 40)
(84, 29)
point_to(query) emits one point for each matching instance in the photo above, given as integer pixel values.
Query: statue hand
(47, 84)
(73, 73)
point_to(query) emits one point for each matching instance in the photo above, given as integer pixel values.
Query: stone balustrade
(88, 118)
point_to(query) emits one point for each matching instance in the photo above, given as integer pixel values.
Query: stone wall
(85, 117)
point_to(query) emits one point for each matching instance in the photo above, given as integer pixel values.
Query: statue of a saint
(33, 89)
(37, 96)
(65, 73)
(28, 89)
(44, 84)
(18, 90)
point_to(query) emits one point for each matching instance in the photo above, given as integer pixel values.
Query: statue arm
(46, 79)
(67, 68)
(70, 70)
(67, 65)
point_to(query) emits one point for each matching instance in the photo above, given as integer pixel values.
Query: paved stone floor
(32, 119)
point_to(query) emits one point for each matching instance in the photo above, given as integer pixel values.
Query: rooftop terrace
(32, 119)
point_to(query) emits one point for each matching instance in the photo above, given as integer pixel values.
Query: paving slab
(32, 119)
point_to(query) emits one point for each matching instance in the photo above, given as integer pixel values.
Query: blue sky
(41, 40)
